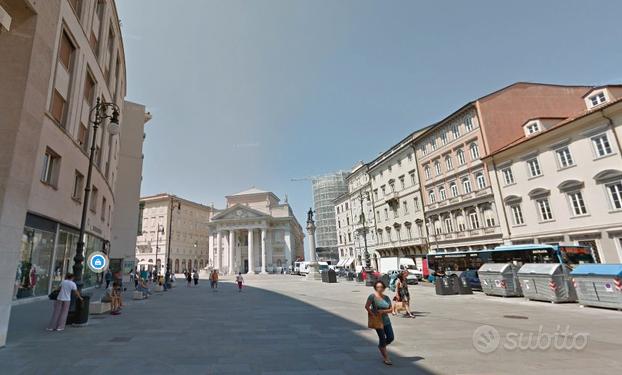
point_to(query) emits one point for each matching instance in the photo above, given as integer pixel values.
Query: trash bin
(599, 285)
(79, 310)
(443, 286)
(324, 276)
(331, 276)
(500, 279)
(546, 282)
(459, 282)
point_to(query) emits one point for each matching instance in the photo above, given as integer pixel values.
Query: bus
(570, 255)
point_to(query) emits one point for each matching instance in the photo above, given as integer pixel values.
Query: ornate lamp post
(363, 222)
(160, 230)
(97, 116)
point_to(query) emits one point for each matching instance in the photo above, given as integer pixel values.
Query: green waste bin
(79, 310)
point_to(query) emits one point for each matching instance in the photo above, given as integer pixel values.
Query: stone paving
(285, 325)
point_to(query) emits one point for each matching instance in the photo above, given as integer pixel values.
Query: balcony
(392, 199)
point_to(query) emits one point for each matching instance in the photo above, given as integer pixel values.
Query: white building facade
(562, 182)
(255, 233)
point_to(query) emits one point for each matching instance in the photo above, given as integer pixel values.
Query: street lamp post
(364, 223)
(160, 230)
(170, 235)
(97, 116)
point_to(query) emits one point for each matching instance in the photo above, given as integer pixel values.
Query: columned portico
(251, 258)
(263, 251)
(231, 251)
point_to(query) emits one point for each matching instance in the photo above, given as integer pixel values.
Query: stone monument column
(251, 257)
(263, 251)
(231, 250)
(314, 267)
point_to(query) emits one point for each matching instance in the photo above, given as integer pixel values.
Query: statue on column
(310, 216)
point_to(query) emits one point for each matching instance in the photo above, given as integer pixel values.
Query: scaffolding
(325, 190)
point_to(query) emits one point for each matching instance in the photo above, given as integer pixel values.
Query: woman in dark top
(403, 294)
(378, 303)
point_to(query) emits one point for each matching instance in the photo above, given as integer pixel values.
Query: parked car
(410, 279)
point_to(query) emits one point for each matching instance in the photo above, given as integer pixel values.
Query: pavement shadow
(195, 330)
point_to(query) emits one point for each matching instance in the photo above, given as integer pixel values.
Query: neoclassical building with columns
(256, 233)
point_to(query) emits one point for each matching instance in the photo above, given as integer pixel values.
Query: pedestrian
(195, 277)
(61, 305)
(108, 278)
(189, 279)
(215, 279)
(403, 296)
(378, 307)
(240, 280)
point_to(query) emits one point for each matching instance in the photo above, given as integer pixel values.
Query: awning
(348, 262)
(341, 262)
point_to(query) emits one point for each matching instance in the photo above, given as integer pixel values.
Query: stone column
(251, 260)
(263, 251)
(288, 249)
(218, 251)
(231, 250)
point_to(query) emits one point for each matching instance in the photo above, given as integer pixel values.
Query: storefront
(46, 255)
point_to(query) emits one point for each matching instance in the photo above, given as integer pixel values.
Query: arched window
(437, 168)
(481, 180)
(474, 151)
(454, 189)
(460, 155)
(466, 185)
(176, 267)
(449, 163)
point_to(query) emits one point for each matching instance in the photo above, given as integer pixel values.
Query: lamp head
(113, 127)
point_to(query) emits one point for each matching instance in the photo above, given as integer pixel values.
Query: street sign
(97, 262)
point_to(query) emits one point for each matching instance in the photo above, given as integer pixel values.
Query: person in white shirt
(240, 280)
(61, 305)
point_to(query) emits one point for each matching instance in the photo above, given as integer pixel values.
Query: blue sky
(254, 93)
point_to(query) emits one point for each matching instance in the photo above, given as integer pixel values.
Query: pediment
(238, 212)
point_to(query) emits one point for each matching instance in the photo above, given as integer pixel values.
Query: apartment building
(354, 231)
(561, 182)
(460, 210)
(175, 228)
(56, 57)
(398, 205)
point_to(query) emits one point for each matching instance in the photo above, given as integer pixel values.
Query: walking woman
(240, 280)
(189, 279)
(61, 305)
(195, 277)
(378, 307)
(403, 296)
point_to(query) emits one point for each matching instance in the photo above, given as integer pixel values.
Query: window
(433, 144)
(416, 204)
(78, 186)
(410, 157)
(58, 108)
(615, 194)
(454, 189)
(534, 167)
(455, 130)
(103, 211)
(598, 99)
(441, 193)
(474, 219)
(51, 168)
(83, 136)
(347, 221)
(412, 178)
(517, 215)
(427, 171)
(466, 184)
(461, 223)
(66, 51)
(481, 180)
(474, 151)
(545, 209)
(386, 214)
(468, 123)
(534, 127)
(508, 176)
(489, 217)
(601, 145)
(384, 190)
(564, 157)
(432, 196)
(89, 88)
(449, 163)
(405, 206)
(443, 137)
(577, 203)
(437, 168)
(376, 194)
(93, 199)
(449, 226)
(402, 184)
(461, 160)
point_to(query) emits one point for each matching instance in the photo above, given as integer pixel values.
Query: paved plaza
(287, 325)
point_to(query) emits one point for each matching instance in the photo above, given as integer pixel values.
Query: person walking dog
(61, 305)
(378, 308)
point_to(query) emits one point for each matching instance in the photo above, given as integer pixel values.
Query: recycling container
(459, 282)
(546, 282)
(331, 276)
(444, 286)
(599, 285)
(79, 310)
(500, 279)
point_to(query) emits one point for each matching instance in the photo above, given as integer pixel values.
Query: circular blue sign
(97, 262)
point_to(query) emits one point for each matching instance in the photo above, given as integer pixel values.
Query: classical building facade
(397, 202)
(460, 209)
(561, 182)
(173, 228)
(255, 233)
(353, 234)
(56, 58)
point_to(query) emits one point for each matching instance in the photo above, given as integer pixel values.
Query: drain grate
(120, 339)
(515, 317)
